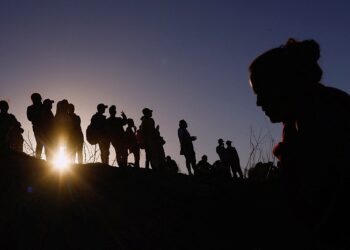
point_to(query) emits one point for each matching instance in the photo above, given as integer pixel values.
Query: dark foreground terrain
(95, 206)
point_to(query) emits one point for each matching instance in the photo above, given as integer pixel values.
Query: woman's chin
(273, 118)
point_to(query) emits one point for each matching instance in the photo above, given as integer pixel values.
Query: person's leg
(239, 171)
(104, 148)
(121, 156)
(80, 152)
(188, 165)
(39, 145)
(136, 152)
(194, 162)
(148, 157)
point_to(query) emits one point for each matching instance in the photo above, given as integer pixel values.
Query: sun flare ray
(61, 161)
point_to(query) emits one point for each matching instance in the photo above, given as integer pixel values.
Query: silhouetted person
(204, 168)
(186, 144)
(76, 138)
(314, 152)
(131, 142)
(157, 151)
(10, 130)
(47, 118)
(62, 126)
(34, 112)
(262, 171)
(117, 135)
(171, 165)
(221, 151)
(148, 130)
(233, 160)
(99, 123)
(220, 170)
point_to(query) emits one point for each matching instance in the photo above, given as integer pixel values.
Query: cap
(228, 142)
(147, 110)
(102, 106)
(48, 101)
(220, 140)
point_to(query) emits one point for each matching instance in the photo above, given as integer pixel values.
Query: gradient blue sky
(183, 59)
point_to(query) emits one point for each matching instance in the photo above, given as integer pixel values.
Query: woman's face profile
(273, 100)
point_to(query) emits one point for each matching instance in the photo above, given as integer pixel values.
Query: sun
(61, 160)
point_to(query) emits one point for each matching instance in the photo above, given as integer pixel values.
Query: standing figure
(48, 128)
(100, 127)
(62, 126)
(157, 151)
(314, 152)
(186, 144)
(10, 130)
(221, 151)
(116, 135)
(34, 112)
(131, 142)
(148, 130)
(76, 137)
(233, 161)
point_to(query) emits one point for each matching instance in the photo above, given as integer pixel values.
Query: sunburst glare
(61, 160)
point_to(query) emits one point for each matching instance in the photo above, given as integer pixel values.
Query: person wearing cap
(117, 135)
(220, 150)
(76, 137)
(99, 122)
(34, 114)
(233, 160)
(186, 145)
(148, 130)
(10, 130)
(47, 128)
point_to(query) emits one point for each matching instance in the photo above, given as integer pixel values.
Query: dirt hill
(95, 206)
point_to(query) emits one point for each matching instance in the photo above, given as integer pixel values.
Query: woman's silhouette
(314, 152)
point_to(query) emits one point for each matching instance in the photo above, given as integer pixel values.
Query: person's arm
(125, 119)
(29, 114)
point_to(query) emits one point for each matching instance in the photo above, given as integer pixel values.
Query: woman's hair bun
(307, 50)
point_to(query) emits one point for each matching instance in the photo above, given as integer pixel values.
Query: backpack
(139, 138)
(91, 135)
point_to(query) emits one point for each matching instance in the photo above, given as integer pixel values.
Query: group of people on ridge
(54, 131)
(103, 131)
